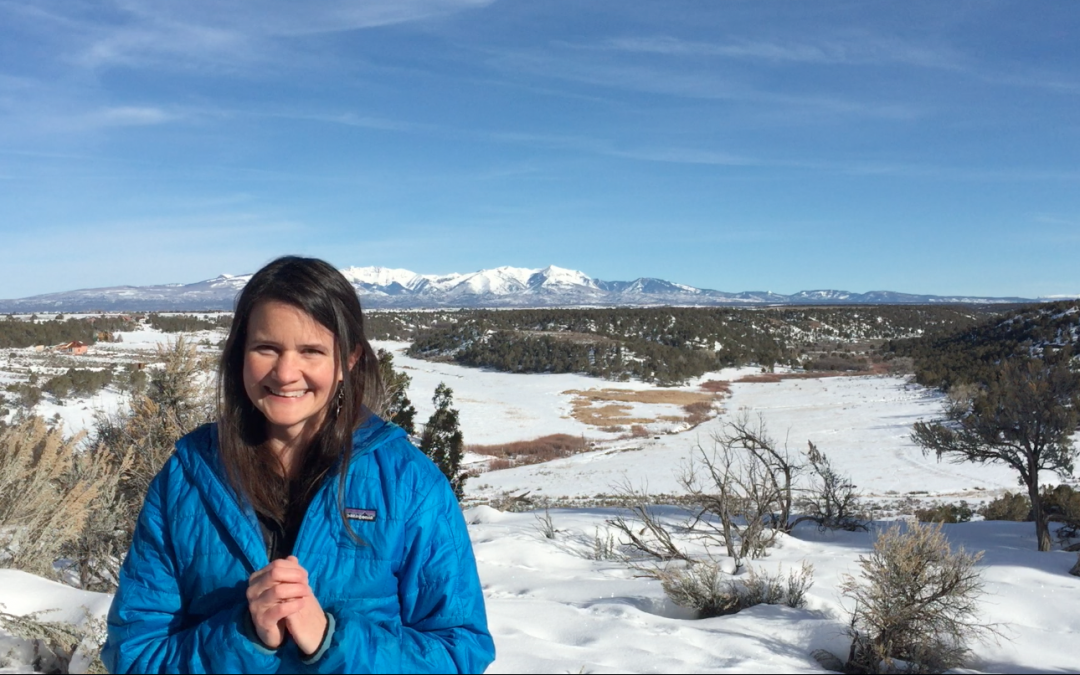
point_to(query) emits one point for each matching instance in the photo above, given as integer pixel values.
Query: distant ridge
(501, 287)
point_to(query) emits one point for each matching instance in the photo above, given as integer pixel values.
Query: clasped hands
(281, 601)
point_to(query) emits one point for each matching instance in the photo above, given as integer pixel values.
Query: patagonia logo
(366, 515)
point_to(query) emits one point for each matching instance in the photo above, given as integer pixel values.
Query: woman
(301, 533)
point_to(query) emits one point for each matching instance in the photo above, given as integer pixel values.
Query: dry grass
(647, 396)
(611, 407)
(698, 412)
(522, 453)
(717, 386)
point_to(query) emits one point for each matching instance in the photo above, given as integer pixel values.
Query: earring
(340, 401)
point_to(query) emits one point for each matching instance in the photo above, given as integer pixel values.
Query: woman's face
(291, 370)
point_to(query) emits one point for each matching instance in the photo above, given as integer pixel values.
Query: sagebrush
(916, 600)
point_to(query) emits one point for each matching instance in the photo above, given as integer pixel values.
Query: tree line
(656, 344)
(18, 334)
(966, 354)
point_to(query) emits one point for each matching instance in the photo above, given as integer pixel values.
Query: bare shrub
(545, 525)
(644, 529)
(604, 547)
(762, 588)
(831, 500)
(742, 494)
(742, 489)
(917, 601)
(638, 431)
(706, 587)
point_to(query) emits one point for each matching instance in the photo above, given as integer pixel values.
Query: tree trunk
(1075, 571)
(1042, 524)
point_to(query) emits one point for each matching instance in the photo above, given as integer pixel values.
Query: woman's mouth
(287, 394)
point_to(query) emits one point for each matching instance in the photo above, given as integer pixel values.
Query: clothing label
(366, 515)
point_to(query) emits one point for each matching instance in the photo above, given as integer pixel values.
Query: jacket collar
(198, 454)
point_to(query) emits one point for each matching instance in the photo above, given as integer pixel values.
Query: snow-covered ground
(554, 609)
(863, 424)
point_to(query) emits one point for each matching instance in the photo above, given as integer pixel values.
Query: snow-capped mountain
(382, 287)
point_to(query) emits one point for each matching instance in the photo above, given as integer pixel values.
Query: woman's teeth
(288, 394)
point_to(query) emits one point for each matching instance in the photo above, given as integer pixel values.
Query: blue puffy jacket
(406, 600)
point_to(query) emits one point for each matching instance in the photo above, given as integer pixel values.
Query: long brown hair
(317, 288)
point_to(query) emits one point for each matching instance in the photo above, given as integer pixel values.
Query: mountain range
(381, 287)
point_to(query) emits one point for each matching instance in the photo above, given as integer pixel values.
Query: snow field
(863, 424)
(551, 609)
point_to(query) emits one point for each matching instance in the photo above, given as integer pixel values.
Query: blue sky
(924, 147)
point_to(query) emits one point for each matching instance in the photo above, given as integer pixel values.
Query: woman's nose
(287, 368)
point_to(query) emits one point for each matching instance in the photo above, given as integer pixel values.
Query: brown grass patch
(522, 453)
(605, 415)
(610, 407)
(698, 412)
(669, 396)
(717, 386)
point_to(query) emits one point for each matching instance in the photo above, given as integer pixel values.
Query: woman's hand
(280, 600)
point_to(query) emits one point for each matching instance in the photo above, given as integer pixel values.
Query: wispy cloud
(129, 116)
(884, 168)
(851, 51)
(222, 35)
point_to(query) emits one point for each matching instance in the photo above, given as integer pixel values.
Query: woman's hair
(320, 291)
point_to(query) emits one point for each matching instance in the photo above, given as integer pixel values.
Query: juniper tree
(1023, 417)
(442, 440)
(397, 406)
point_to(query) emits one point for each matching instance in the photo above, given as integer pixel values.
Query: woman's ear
(355, 356)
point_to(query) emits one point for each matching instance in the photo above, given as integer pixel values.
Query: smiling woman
(301, 531)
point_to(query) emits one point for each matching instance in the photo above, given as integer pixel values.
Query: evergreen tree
(1024, 418)
(442, 440)
(399, 409)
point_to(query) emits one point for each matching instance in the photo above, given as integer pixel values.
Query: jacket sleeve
(145, 625)
(443, 626)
